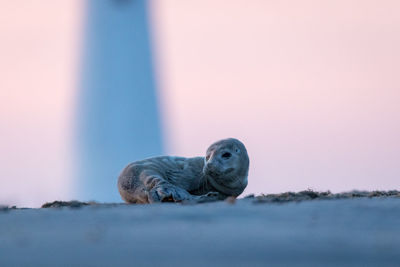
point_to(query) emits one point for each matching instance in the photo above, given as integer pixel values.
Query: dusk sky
(310, 87)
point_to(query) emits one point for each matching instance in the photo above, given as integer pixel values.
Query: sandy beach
(358, 232)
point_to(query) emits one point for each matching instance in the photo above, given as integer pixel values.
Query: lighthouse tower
(117, 113)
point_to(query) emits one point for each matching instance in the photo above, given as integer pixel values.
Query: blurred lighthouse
(117, 114)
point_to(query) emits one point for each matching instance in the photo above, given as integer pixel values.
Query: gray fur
(222, 173)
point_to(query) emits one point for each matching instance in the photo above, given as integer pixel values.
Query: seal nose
(211, 167)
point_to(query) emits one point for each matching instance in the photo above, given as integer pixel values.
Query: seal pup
(221, 173)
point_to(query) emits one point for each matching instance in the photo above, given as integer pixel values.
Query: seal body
(221, 173)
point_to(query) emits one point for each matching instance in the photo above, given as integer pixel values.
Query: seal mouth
(229, 170)
(211, 172)
(215, 173)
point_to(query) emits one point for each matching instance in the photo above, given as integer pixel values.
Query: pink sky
(311, 87)
(38, 66)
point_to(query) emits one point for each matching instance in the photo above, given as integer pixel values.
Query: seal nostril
(226, 155)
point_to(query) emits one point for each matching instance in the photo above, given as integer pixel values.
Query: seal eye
(226, 155)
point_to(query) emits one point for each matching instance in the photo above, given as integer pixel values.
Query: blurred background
(311, 87)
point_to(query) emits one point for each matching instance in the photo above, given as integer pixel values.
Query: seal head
(226, 166)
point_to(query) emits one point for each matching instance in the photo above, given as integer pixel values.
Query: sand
(245, 232)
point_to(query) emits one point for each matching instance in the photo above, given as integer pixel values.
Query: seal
(221, 173)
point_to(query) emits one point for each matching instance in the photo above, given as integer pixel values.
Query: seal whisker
(224, 169)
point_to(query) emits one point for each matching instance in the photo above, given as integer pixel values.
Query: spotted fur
(222, 173)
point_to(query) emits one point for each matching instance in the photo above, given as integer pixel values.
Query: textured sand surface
(340, 232)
